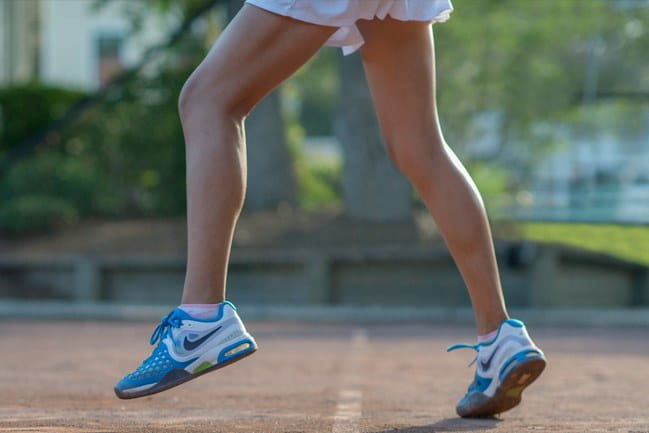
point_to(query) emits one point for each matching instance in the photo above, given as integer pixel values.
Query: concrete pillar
(542, 278)
(640, 292)
(87, 280)
(318, 270)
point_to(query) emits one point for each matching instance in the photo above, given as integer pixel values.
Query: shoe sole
(509, 394)
(178, 377)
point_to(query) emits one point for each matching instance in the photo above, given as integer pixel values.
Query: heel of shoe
(519, 378)
(237, 350)
(509, 392)
(521, 357)
(245, 345)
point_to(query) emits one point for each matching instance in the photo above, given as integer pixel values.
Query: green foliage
(137, 141)
(27, 108)
(35, 213)
(137, 11)
(48, 190)
(309, 100)
(312, 93)
(618, 118)
(124, 157)
(52, 175)
(319, 184)
(528, 60)
(524, 60)
(619, 241)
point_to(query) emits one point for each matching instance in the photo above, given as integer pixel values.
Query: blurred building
(70, 43)
(19, 30)
(600, 176)
(599, 172)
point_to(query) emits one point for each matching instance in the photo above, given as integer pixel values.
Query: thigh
(256, 52)
(399, 62)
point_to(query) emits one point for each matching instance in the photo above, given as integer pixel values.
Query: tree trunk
(373, 189)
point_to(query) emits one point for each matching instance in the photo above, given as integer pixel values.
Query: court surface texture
(57, 376)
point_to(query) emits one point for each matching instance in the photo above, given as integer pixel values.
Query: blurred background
(546, 102)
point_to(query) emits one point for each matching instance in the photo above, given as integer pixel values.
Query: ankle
(489, 324)
(202, 300)
(206, 295)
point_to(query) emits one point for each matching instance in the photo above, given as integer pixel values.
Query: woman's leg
(399, 63)
(256, 52)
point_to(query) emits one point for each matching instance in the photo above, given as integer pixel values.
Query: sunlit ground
(57, 377)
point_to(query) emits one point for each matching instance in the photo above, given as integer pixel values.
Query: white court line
(350, 396)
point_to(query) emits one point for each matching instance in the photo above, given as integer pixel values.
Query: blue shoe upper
(152, 369)
(479, 384)
(160, 362)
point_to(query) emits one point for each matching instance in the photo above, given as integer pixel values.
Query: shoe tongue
(180, 314)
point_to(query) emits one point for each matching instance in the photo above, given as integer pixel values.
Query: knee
(208, 93)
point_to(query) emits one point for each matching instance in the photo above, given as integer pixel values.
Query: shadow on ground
(449, 425)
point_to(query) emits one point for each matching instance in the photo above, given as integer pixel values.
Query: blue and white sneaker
(505, 366)
(187, 348)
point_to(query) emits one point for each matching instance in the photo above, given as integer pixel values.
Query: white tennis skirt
(345, 13)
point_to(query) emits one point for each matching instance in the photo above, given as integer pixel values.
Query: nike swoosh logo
(487, 364)
(191, 345)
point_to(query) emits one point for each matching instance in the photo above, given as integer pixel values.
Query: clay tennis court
(58, 376)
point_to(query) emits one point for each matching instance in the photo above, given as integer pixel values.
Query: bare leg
(256, 52)
(399, 61)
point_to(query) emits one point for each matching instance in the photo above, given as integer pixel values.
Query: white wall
(69, 33)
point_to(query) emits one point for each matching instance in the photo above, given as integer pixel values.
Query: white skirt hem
(344, 14)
